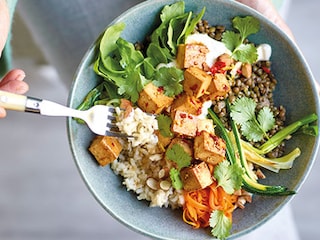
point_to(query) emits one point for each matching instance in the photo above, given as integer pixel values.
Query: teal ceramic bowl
(296, 91)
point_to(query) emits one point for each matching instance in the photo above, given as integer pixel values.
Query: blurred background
(42, 194)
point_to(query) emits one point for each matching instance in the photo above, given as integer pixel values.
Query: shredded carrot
(200, 203)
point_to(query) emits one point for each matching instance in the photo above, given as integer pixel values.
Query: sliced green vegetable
(273, 164)
(284, 133)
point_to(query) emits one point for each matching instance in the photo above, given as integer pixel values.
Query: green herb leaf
(177, 154)
(175, 179)
(231, 40)
(109, 39)
(170, 79)
(229, 176)
(266, 119)
(252, 127)
(164, 125)
(246, 26)
(220, 224)
(246, 53)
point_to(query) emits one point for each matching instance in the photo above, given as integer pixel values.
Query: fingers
(2, 113)
(13, 82)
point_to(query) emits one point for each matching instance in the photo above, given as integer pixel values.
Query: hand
(13, 82)
(266, 8)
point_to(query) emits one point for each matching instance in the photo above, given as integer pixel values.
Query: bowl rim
(250, 11)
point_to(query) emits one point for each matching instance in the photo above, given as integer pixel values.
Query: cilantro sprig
(164, 124)
(220, 224)
(253, 127)
(235, 41)
(178, 155)
(229, 176)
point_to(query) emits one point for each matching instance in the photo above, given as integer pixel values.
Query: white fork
(100, 119)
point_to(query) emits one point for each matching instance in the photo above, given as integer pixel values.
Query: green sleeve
(5, 60)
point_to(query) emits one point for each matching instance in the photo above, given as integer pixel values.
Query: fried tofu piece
(191, 55)
(105, 149)
(196, 177)
(219, 87)
(209, 148)
(153, 100)
(184, 124)
(196, 82)
(186, 103)
(205, 125)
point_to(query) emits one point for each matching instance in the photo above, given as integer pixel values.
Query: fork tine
(112, 110)
(112, 118)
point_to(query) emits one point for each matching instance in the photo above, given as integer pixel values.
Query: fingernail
(20, 77)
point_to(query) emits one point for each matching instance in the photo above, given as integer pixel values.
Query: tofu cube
(205, 125)
(186, 103)
(196, 82)
(105, 149)
(219, 87)
(153, 100)
(196, 177)
(209, 148)
(184, 124)
(191, 55)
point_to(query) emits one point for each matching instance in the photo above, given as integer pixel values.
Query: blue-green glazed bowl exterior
(296, 90)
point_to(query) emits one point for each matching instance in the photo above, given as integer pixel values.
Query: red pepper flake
(112, 144)
(266, 70)
(194, 87)
(225, 87)
(190, 117)
(183, 115)
(218, 67)
(160, 89)
(199, 111)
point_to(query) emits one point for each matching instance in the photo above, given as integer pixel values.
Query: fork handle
(17, 102)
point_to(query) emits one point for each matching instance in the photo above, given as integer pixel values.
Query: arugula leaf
(220, 224)
(253, 127)
(164, 125)
(177, 154)
(235, 41)
(229, 176)
(109, 39)
(176, 30)
(170, 79)
(172, 11)
(175, 179)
